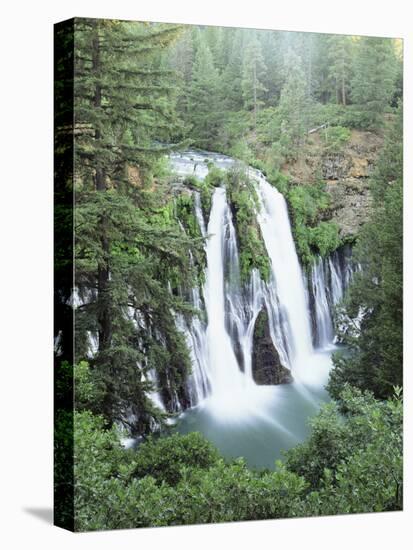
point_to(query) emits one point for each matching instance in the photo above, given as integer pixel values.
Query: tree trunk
(104, 315)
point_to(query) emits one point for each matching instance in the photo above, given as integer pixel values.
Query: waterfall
(299, 312)
(329, 279)
(324, 331)
(223, 364)
(287, 276)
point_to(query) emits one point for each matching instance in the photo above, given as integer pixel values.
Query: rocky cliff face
(346, 173)
(266, 365)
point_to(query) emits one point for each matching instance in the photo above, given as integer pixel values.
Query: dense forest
(270, 100)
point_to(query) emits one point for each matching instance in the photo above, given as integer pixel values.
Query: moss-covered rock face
(314, 232)
(344, 162)
(243, 200)
(266, 365)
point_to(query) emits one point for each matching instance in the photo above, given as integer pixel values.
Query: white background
(26, 271)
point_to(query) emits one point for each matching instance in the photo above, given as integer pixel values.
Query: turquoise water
(262, 437)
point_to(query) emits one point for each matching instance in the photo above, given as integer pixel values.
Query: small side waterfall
(328, 280)
(324, 331)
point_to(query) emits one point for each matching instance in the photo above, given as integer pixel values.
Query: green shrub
(241, 150)
(336, 137)
(192, 181)
(215, 176)
(206, 200)
(164, 458)
(185, 212)
(307, 205)
(325, 237)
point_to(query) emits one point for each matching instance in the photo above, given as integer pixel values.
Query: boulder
(266, 365)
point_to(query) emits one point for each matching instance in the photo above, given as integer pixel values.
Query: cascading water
(324, 331)
(241, 417)
(287, 277)
(329, 279)
(225, 372)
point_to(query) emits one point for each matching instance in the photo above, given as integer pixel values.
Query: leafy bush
(192, 181)
(164, 458)
(336, 137)
(353, 457)
(88, 392)
(307, 205)
(215, 176)
(206, 200)
(325, 237)
(369, 476)
(185, 213)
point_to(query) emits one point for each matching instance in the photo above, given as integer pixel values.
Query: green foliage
(166, 458)
(192, 181)
(376, 344)
(336, 137)
(325, 237)
(242, 151)
(364, 472)
(88, 393)
(312, 235)
(244, 203)
(215, 176)
(206, 200)
(184, 205)
(235, 127)
(374, 78)
(350, 463)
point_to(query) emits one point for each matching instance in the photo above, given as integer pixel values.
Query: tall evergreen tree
(231, 79)
(372, 85)
(340, 65)
(252, 75)
(294, 105)
(123, 258)
(181, 60)
(204, 97)
(273, 77)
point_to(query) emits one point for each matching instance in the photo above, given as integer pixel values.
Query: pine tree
(293, 106)
(231, 80)
(181, 60)
(372, 85)
(340, 65)
(252, 75)
(273, 77)
(123, 254)
(204, 112)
